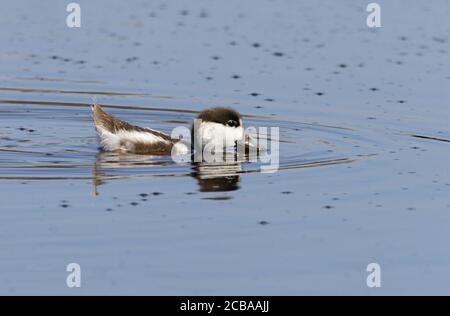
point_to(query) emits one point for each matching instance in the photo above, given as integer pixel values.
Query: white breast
(217, 135)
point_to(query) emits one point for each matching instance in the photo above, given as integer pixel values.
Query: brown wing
(114, 125)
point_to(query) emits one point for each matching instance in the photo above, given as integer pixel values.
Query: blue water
(355, 185)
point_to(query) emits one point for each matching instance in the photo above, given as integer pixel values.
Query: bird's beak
(250, 144)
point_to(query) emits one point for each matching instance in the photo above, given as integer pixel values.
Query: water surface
(364, 145)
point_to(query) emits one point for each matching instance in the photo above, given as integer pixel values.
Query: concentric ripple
(51, 140)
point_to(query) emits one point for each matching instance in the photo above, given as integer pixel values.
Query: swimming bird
(217, 127)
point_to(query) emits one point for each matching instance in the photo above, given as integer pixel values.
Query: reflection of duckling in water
(217, 177)
(211, 177)
(221, 127)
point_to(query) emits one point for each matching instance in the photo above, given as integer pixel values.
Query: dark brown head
(219, 126)
(225, 116)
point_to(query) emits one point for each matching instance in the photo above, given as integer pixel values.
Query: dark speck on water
(203, 14)
(64, 205)
(440, 40)
(131, 59)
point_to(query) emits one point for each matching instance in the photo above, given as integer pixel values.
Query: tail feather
(107, 121)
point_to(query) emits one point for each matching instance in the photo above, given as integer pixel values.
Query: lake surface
(364, 145)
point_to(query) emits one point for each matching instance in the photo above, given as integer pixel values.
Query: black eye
(232, 123)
